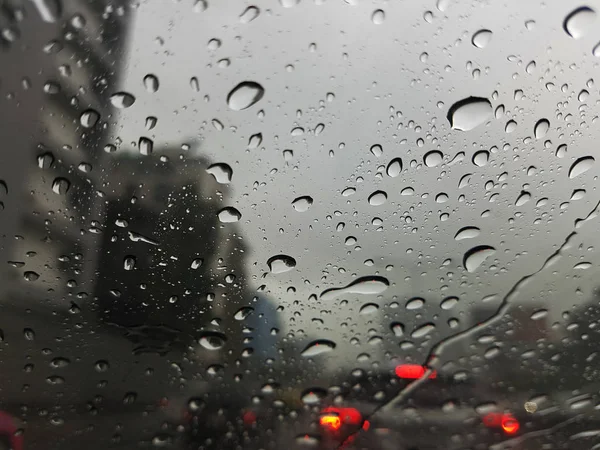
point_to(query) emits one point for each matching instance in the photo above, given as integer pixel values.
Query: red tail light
(507, 422)
(412, 371)
(330, 422)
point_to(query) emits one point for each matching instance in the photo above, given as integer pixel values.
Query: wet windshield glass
(299, 224)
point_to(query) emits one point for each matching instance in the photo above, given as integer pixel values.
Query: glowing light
(509, 424)
(330, 421)
(412, 371)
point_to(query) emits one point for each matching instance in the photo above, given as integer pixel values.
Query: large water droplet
(122, 100)
(313, 396)
(129, 263)
(221, 171)
(254, 141)
(433, 158)
(368, 308)
(397, 329)
(89, 118)
(422, 331)
(229, 215)
(60, 185)
(394, 167)
(476, 256)
(145, 146)
(151, 83)
(244, 95)
(364, 286)
(449, 303)
(541, 128)
(469, 113)
(415, 303)
(376, 150)
(481, 38)
(281, 263)
(523, 198)
(318, 347)
(378, 16)
(249, 14)
(481, 158)
(244, 312)
(301, 204)
(377, 198)
(580, 166)
(212, 340)
(579, 22)
(467, 233)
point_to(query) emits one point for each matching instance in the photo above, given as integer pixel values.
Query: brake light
(330, 422)
(509, 424)
(413, 372)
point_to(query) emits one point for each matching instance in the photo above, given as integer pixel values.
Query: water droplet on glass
(579, 22)
(212, 340)
(481, 158)
(469, 113)
(523, 198)
(378, 16)
(242, 313)
(541, 128)
(313, 396)
(60, 185)
(150, 122)
(377, 198)
(348, 192)
(249, 14)
(122, 100)
(254, 141)
(467, 233)
(129, 263)
(476, 256)
(221, 172)
(195, 84)
(394, 167)
(89, 118)
(368, 308)
(422, 331)
(481, 38)
(433, 158)
(365, 286)
(301, 204)
(415, 303)
(596, 50)
(318, 347)
(561, 151)
(229, 215)
(449, 303)
(45, 160)
(511, 126)
(281, 263)
(583, 95)
(289, 3)
(145, 145)
(377, 150)
(244, 95)
(580, 166)
(49, 10)
(151, 83)
(397, 329)
(31, 275)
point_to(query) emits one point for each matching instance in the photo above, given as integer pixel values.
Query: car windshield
(326, 224)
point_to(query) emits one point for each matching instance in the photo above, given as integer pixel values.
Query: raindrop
(377, 198)
(511, 126)
(59, 363)
(145, 146)
(289, 3)
(244, 95)
(596, 50)
(313, 396)
(397, 329)
(150, 122)
(394, 167)
(583, 95)
(229, 215)
(464, 180)
(523, 198)
(212, 340)
(582, 266)
(242, 313)
(194, 84)
(364, 286)
(89, 118)
(49, 10)
(122, 100)
(433, 158)
(281, 263)
(254, 141)
(31, 275)
(197, 262)
(348, 192)
(301, 204)
(579, 21)
(481, 158)
(318, 347)
(561, 151)
(368, 308)
(221, 172)
(151, 83)
(541, 128)
(60, 185)
(129, 262)
(469, 113)
(476, 256)
(580, 166)
(378, 16)
(539, 314)
(422, 331)
(249, 14)
(449, 303)
(415, 303)
(45, 160)
(481, 38)
(377, 150)
(467, 233)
